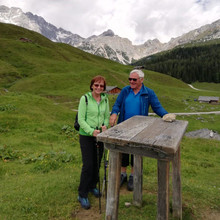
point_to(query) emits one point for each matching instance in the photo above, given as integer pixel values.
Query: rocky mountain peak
(151, 42)
(3, 8)
(108, 33)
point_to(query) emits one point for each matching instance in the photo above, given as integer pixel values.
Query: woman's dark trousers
(89, 174)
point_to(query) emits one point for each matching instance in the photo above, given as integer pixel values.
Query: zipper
(102, 100)
(98, 112)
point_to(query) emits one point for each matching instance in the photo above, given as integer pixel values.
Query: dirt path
(91, 214)
(94, 214)
(195, 88)
(210, 215)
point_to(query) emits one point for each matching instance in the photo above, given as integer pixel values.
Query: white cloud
(137, 20)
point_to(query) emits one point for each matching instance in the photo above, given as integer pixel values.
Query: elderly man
(134, 99)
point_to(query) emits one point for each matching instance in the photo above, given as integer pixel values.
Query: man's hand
(170, 117)
(112, 120)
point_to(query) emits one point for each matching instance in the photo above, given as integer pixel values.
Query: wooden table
(150, 137)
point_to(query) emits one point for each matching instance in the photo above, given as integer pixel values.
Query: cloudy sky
(137, 20)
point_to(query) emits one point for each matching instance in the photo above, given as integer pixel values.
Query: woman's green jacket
(92, 115)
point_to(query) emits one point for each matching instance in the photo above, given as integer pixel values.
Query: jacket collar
(103, 95)
(143, 90)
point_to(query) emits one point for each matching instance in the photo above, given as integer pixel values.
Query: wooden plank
(123, 132)
(163, 190)
(138, 180)
(146, 131)
(113, 185)
(162, 135)
(177, 189)
(170, 139)
(142, 151)
(150, 135)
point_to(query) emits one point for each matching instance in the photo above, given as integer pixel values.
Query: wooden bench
(150, 137)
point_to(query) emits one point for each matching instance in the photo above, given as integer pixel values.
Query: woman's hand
(96, 132)
(104, 128)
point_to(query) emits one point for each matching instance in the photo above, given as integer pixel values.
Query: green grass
(202, 121)
(207, 86)
(40, 159)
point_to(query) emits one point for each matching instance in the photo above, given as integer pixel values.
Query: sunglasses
(134, 79)
(98, 85)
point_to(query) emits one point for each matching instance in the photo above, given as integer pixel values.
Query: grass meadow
(40, 159)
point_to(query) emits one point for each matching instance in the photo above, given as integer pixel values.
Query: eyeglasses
(134, 79)
(98, 85)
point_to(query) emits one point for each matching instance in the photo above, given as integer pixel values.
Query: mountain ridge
(107, 44)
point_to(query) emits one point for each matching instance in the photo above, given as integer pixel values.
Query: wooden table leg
(113, 185)
(138, 180)
(163, 190)
(177, 189)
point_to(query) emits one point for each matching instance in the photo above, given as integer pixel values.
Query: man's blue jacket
(148, 98)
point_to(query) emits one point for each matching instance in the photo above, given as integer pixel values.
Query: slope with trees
(190, 63)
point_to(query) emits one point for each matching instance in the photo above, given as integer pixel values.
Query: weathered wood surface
(113, 185)
(177, 189)
(138, 180)
(146, 132)
(163, 190)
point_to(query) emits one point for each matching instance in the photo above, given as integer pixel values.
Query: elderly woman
(93, 117)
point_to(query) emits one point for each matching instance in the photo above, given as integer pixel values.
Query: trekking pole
(106, 166)
(98, 158)
(104, 186)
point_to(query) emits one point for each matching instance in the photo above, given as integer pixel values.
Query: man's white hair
(139, 72)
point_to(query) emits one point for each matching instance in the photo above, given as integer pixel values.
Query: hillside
(30, 66)
(190, 63)
(62, 72)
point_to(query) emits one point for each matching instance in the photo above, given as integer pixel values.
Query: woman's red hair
(98, 79)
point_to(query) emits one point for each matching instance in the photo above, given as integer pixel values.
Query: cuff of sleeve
(91, 132)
